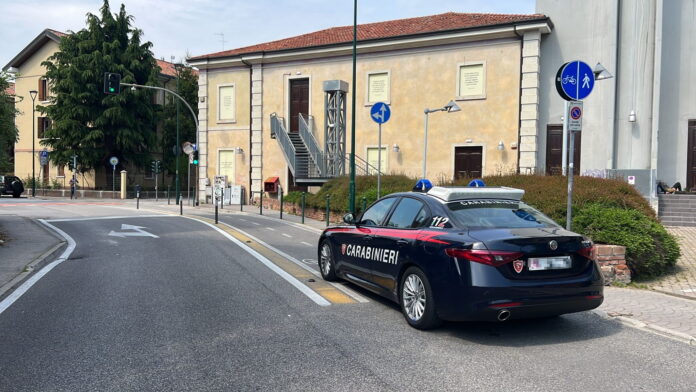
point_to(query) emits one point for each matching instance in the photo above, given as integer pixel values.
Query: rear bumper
(528, 299)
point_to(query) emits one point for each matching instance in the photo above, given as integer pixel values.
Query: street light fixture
(601, 73)
(33, 94)
(449, 108)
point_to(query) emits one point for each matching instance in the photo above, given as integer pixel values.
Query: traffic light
(112, 83)
(195, 157)
(156, 166)
(72, 163)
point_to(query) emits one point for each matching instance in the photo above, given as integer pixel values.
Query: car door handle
(401, 242)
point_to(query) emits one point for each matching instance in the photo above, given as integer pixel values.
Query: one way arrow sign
(137, 232)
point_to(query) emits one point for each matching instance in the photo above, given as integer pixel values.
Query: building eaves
(381, 31)
(34, 45)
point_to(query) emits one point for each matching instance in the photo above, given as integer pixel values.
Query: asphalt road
(190, 310)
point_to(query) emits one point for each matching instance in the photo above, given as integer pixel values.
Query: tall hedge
(606, 210)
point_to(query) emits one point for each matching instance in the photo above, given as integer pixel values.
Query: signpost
(574, 82)
(380, 113)
(43, 157)
(113, 161)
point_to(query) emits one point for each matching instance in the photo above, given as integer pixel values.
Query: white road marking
(10, 299)
(270, 228)
(256, 223)
(318, 299)
(109, 217)
(137, 232)
(306, 243)
(243, 220)
(302, 264)
(287, 235)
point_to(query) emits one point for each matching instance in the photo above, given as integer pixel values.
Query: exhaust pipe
(503, 315)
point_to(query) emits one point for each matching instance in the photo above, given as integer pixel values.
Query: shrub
(650, 249)
(365, 186)
(293, 197)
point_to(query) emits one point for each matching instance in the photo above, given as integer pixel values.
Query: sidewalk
(683, 281)
(26, 245)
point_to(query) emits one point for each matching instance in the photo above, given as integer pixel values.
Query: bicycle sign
(574, 81)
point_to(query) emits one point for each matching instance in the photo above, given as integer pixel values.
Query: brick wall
(612, 262)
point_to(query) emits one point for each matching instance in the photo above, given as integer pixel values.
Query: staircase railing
(362, 167)
(278, 129)
(310, 142)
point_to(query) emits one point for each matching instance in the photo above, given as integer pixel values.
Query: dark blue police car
(463, 254)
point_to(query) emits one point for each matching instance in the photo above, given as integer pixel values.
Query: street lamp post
(177, 186)
(449, 108)
(33, 93)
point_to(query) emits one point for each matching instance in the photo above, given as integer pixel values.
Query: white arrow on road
(138, 232)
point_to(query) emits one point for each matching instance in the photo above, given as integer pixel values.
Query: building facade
(642, 121)
(281, 109)
(29, 75)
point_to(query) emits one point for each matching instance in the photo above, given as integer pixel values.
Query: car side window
(405, 214)
(374, 216)
(422, 219)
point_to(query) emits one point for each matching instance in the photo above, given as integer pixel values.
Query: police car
(463, 254)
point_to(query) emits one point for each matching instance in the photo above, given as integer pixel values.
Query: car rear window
(494, 213)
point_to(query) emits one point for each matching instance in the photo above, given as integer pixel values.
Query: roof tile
(380, 30)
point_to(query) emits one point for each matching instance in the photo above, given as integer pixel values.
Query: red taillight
(586, 251)
(506, 305)
(489, 257)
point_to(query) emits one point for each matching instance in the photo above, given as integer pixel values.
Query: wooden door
(691, 156)
(468, 162)
(299, 102)
(554, 150)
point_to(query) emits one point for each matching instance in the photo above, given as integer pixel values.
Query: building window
(226, 165)
(43, 89)
(61, 171)
(378, 87)
(226, 103)
(43, 125)
(471, 80)
(372, 159)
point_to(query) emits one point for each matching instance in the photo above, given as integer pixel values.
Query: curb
(34, 265)
(673, 294)
(651, 328)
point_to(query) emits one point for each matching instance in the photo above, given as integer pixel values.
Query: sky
(183, 28)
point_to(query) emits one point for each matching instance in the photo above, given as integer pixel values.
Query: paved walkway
(683, 281)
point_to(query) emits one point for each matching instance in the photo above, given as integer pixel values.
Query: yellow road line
(324, 289)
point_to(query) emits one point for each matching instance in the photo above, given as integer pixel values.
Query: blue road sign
(43, 154)
(380, 112)
(575, 80)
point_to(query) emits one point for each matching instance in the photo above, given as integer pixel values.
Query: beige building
(29, 75)
(264, 111)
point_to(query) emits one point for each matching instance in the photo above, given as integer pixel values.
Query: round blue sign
(575, 80)
(380, 112)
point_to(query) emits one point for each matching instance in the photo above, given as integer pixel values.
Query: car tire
(327, 265)
(16, 195)
(416, 300)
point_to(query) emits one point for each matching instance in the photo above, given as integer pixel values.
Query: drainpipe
(617, 73)
(657, 76)
(251, 107)
(519, 96)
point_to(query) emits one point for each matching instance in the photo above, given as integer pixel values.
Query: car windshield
(495, 213)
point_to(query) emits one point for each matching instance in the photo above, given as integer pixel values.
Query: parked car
(463, 254)
(11, 185)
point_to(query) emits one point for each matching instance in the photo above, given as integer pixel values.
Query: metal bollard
(181, 205)
(281, 202)
(261, 204)
(364, 204)
(216, 212)
(328, 208)
(137, 201)
(168, 199)
(241, 200)
(303, 205)
(222, 201)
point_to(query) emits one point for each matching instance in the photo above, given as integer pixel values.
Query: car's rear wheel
(16, 195)
(327, 266)
(417, 302)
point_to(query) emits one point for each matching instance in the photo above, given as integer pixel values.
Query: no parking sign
(575, 116)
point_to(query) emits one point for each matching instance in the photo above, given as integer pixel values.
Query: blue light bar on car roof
(464, 193)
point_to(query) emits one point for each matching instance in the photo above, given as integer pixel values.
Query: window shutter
(40, 127)
(42, 89)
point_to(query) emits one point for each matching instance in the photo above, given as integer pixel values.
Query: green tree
(87, 122)
(8, 130)
(188, 89)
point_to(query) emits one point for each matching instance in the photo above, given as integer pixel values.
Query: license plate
(548, 263)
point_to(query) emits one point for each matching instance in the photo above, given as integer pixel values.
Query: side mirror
(349, 219)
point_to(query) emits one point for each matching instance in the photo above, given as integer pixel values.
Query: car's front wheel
(327, 266)
(417, 302)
